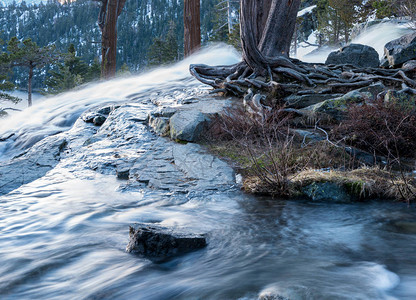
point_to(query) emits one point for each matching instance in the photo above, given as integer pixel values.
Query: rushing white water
(63, 235)
(375, 36)
(58, 113)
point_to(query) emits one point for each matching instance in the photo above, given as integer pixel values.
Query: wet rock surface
(327, 192)
(32, 164)
(159, 243)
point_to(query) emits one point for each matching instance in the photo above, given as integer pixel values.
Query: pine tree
(94, 71)
(29, 55)
(164, 50)
(69, 74)
(5, 84)
(220, 30)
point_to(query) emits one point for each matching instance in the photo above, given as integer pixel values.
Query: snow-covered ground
(306, 10)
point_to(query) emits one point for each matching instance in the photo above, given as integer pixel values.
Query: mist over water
(375, 36)
(58, 113)
(63, 235)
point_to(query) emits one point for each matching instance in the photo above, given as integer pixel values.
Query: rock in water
(400, 51)
(159, 244)
(354, 54)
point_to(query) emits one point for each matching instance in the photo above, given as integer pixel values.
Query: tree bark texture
(192, 26)
(264, 38)
(107, 20)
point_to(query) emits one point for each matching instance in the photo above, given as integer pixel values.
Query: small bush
(382, 129)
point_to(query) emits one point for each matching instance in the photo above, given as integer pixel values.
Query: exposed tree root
(291, 76)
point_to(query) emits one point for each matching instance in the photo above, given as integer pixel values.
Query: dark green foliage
(71, 73)
(220, 29)
(336, 19)
(94, 71)
(234, 36)
(5, 84)
(28, 55)
(164, 50)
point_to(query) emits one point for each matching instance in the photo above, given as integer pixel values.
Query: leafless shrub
(388, 130)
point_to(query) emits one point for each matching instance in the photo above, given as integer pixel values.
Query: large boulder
(399, 51)
(354, 54)
(159, 243)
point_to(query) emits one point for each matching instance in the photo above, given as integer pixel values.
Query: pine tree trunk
(279, 28)
(109, 41)
(264, 39)
(107, 20)
(29, 87)
(192, 26)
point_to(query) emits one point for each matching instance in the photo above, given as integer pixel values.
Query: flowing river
(63, 235)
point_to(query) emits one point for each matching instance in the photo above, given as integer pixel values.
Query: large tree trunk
(264, 39)
(107, 20)
(192, 26)
(279, 28)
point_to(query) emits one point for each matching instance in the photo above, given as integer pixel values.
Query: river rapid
(63, 235)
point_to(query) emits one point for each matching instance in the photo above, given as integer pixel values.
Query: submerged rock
(400, 51)
(354, 54)
(327, 192)
(158, 243)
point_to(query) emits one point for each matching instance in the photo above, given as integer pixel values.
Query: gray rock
(165, 112)
(208, 171)
(160, 125)
(405, 226)
(354, 54)
(337, 108)
(400, 51)
(402, 98)
(301, 101)
(99, 120)
(123, 174)
(160, 244)
(187, 125)
(326, 192)
(159, 120)
(409, 66)
(35, 163)
(374, 89)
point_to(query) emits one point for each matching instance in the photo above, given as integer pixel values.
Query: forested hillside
(76, 22)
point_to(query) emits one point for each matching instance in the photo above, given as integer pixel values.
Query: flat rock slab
(159, 243)
(209, 171)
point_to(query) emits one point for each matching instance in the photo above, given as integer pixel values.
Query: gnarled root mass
(290, 76)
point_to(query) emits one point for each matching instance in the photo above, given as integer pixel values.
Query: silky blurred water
(63, 236)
